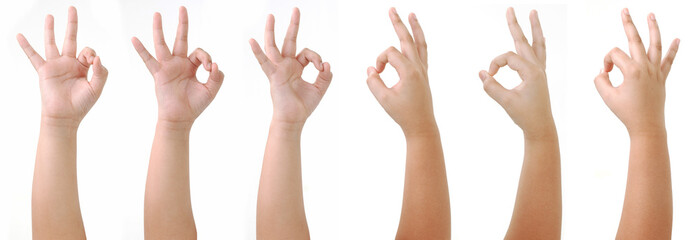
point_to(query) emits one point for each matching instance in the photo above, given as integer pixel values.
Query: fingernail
(626, 11)
(653, 17)
(483, 75)
(393, 10)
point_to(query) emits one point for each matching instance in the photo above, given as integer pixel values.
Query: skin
(181, 99)
(638, 102)
(537, 211)
(66, 97)
(425, 212)
(280, 207)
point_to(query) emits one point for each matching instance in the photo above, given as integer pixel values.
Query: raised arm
(181, 99)
(425, 213)
(537, 211)
(66, 97)
(638, 102)
(280, 210)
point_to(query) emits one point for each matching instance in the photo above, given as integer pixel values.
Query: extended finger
(264, 62)
(270, 46)
(635, 42)
(419, 37)
(151, 63)
(180, 46)
(407, 45)
(538, 43)
(162, 50)
(289, 48)
(670, 55)
(70, 41)
(521, 45)
(34, 57)
(654, 52)
(50, 38)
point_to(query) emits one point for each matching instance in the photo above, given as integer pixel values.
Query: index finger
(407, 45)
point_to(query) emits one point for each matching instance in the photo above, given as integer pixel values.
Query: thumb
(376, 84)
(323, 80)
(99, 75)
(492, 87)
(603, 84)
(216, 78)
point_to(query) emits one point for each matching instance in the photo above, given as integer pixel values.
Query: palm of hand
(181, 97)
(65, 91)
(293, 98)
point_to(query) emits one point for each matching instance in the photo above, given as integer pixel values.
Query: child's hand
(528, 103)
(639, 101)
(181, 97)
(293, 99)
(409, 102)
(66, 94)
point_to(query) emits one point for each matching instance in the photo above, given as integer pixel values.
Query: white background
(353, 153)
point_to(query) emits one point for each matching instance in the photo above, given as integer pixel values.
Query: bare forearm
(648, 209)
(55, 205)
(537, 212)
(426, 203)
(280, 210)
(168, 210)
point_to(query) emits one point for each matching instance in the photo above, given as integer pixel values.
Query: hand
(639, 101)
(293, 99)
(409, 102)
(66, 94)
(181, 97)
(528, 103)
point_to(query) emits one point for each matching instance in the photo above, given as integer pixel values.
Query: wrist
(286, 126)
(543, 134)
(174, 125)
(427, 129)
(62, 123)
(648, 133)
